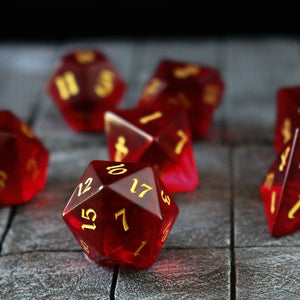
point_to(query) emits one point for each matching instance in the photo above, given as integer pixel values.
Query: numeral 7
(122, 212)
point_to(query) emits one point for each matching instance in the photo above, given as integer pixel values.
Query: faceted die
(288, 115)
(23, 161)
(161, 138)
(198, 89)
(280, 190)
(121, 213)
(84, 85)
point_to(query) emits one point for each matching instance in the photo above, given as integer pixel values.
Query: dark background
(62, 20)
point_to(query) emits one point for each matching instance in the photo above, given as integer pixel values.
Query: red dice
(198, 89)
(280, 190)
(288, 115)
(161, 138)
(121, 213)
(23, 161)
(84, 86)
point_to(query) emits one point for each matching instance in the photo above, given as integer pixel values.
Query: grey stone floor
(220, 246)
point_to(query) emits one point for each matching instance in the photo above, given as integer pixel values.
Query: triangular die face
(126, 142)
(140, 188)
(288, 217)
(88, 185)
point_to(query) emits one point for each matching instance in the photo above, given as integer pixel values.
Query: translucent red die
(288, 115)
(280, 190)
(23, 161)
(121, 213)
(161, 138)
(198, 89)
(84, 85)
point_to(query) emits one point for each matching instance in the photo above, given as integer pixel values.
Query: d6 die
(121, 213)
(198, 89)
(84, 86)
(161, 138)
(23, 161)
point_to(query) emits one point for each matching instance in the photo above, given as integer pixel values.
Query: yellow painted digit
(33, 168)
(286, 130)
(86, 215)
(85, 246)
(27, 131)
(273, 202)
(269, 180)
(152, 88)
(67, 85)
(87, 187)
(166, 232)
(211, 94)
(186, 71)
(122, 212)
(137, 252)
(180, 99)
(121, 149)
(105, 83)
(165, 198)
(182, 142)
(85, 57)
(283, 158)
(141, 194)
(149, 118)
(116, 170)
(3, 178)
(291, 214)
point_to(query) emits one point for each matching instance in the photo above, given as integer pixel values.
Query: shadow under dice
(23, 161)
(288, 116)
(121, 213)
(198, 89)
(280, 190)
(161, 138)
(84, 86)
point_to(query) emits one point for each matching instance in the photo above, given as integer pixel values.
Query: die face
(84, 86)
(288, 116)
(195, 88)
(124, 221)
(161, 138)
(24, 161)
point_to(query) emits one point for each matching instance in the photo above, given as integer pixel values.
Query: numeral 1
(86, 215)
(3, 178)
(67, 85)
(183, 139)
(137, 252)
(87, 187)
(105, 83)
(122, 212)
(149, 118)
(283, 158)
(116, 170)
(273, 199)
(291, 214)
(141, 194)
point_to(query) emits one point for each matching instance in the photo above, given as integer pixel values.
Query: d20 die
(121, 213)
(280, 190)
(161, 138)
(23, 161)
(288, 115)
(84, 85)
(198, 89)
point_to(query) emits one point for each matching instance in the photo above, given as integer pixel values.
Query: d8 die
(198, 89)
(23, 161)
(280, 190)
(288, 115)
(121, 213)
(84, 86)
(161, 138)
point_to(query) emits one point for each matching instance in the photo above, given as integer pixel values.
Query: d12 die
(198, 89)
(161, 138)
(288, 115)
(84, 86)
(121, 213)
(23, 161)
(280, 190)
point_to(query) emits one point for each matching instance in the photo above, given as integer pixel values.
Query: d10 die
(161, 138)
(198, 89)
(280, 190)
(121, 212)
(288, 115)
(23, 161)
(84, 86)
